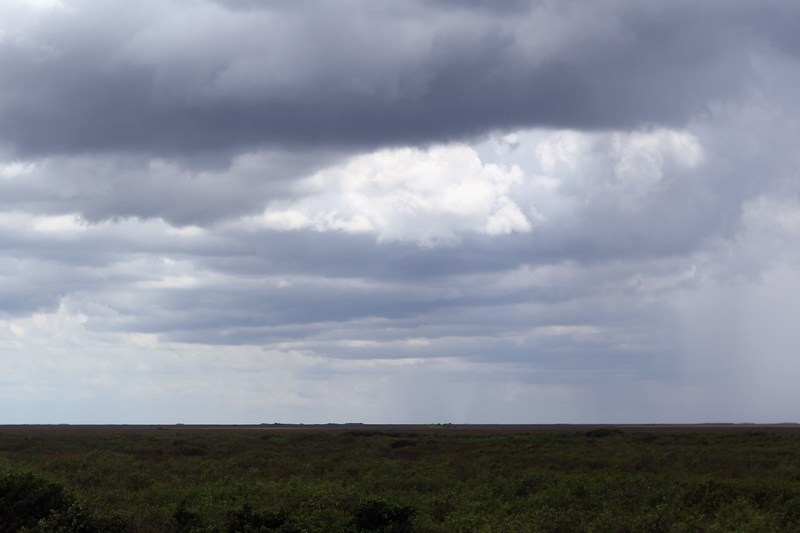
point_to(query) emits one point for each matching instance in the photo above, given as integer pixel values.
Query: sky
(406, 211)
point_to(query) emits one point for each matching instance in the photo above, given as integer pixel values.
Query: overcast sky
(408, 211)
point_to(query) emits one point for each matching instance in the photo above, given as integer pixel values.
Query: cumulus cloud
(406, 194)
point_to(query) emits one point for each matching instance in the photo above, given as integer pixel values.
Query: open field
(432, 478)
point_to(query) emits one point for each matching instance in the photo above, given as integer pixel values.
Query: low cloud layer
(517, 211)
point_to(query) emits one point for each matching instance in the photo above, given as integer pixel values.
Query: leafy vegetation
(432, 481)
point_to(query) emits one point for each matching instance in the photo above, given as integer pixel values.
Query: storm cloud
(179, 79)
(430, 210)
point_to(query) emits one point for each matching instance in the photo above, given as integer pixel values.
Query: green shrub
(245, 520)
(186, 521)
(25, 499)
(707, 495)
(378, 515)
(77, 518)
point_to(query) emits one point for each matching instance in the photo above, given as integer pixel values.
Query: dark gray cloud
(205, 77)
(178, 189)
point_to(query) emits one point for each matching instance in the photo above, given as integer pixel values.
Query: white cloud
(424, 196)
(622, 168)
(59, 226)
(16, 169)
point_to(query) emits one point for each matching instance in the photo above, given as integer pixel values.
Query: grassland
(399, 478)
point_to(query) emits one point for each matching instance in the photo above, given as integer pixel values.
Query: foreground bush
(31, 503)
(25, 499)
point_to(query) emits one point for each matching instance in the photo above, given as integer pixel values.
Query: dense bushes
(31, 503)
(378, 515)
(600, 480)
(25, 499)
(245, 520)
(242, 520)
(78, 518)
(373, 516)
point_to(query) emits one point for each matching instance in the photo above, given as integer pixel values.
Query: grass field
(399, 478)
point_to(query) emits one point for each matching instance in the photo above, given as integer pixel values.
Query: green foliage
(435, 481)
(77, 518)
(245, 520)
(186, 521)
(25, 499)
(379, 515)
(31, 503)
